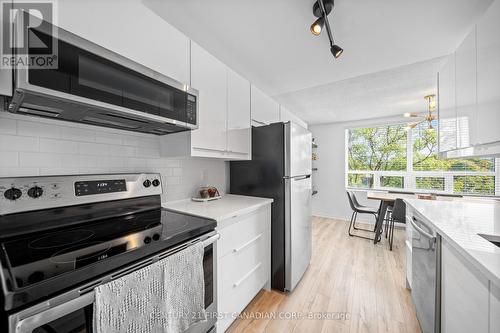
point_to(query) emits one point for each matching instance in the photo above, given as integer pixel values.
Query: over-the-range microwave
(96, 86)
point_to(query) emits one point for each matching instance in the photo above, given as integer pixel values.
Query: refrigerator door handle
(298, 177)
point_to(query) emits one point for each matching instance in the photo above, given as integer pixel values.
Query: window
(390, 157)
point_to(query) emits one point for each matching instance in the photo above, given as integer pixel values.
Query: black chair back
(399, 211)
(352, 200)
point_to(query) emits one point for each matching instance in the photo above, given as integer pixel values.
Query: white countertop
(226, 207)
(459, 222)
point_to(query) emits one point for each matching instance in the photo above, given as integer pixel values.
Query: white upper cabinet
(265, 110)
(132, 30)
(488, 75)
(224, 129)
(286, 115)
(447, 107)
(238, 114)
(209, 77)
(465, 93)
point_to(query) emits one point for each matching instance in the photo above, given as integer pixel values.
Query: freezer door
(298, 229)
(298, 146)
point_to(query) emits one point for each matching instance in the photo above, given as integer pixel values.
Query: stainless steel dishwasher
(426, 275)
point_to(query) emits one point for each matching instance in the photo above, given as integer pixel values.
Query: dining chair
(397, 214)
(357, 208)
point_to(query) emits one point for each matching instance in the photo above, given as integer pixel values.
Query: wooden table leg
(380, 222)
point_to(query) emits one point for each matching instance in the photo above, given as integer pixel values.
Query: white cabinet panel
(265, 110)
(488, 75)
(133, 31)
(465, 88)
(209, 77)
(464, 295)
(238, 114)
(447, 110)
(287, 115)
(494, 308)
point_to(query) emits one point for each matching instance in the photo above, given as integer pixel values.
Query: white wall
(31, 146)
(331, 200)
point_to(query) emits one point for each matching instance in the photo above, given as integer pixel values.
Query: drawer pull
(247, 244)
(247, 275)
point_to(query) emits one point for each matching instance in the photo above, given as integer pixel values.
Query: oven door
(76, 314)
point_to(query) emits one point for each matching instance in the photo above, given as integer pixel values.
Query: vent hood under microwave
(96, 86)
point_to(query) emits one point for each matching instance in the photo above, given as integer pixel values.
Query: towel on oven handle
(166, 296)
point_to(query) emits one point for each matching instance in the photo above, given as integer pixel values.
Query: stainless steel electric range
(62, 236)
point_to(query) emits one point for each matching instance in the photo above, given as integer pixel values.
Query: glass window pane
(392, 181)
(430, 183)
(377, 148)
(484, 185)
(425, 157)
(360, 180)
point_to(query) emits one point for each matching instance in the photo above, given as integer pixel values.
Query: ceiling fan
(429, 117)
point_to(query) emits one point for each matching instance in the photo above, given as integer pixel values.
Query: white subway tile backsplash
(58, 146)
(37, 160)
(58, 171)
(9, 159)
(18, 172)
(78, 134)
(124, 151)
(79, 161)
(177, 171)
(38, 129)
(148, 152)
(105, 137)
(18, 143)
(8, 126)
(85, 148)
(31, 146)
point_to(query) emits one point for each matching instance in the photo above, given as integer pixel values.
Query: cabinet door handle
(247, 275)
(247, 243)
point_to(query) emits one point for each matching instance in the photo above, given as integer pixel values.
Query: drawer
(241, 230)
(234, 300)
(236, 264)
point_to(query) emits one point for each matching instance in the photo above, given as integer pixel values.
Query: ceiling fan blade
(411, 115)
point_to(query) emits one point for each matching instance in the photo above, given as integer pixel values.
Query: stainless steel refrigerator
(281, 168)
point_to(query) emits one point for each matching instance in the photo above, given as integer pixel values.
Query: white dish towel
(167, 296)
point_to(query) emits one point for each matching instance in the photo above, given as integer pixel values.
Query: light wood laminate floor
(361, 286)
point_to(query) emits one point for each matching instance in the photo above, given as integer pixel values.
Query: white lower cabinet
(464, 295)
(244, 262)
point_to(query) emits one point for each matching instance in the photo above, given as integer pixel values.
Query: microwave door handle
(29, 324)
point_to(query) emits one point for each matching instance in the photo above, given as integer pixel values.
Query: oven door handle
(29, 324)
(210, 240)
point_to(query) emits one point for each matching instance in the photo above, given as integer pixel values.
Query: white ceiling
(269, 42)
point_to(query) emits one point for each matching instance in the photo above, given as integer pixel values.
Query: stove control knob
(12, 193)
(156, 182)
(147, 240)
(156, 237)
(35, 192)
(147, 183)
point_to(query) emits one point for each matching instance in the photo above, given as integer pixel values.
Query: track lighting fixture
(317, 26)
(336, 50)
(321, 9)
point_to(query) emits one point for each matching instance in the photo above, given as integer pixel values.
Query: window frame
(409, 175)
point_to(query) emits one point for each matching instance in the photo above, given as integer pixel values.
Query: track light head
(317, 26)
(336, 50)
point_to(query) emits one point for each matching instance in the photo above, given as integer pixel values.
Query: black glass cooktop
(82, 251)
